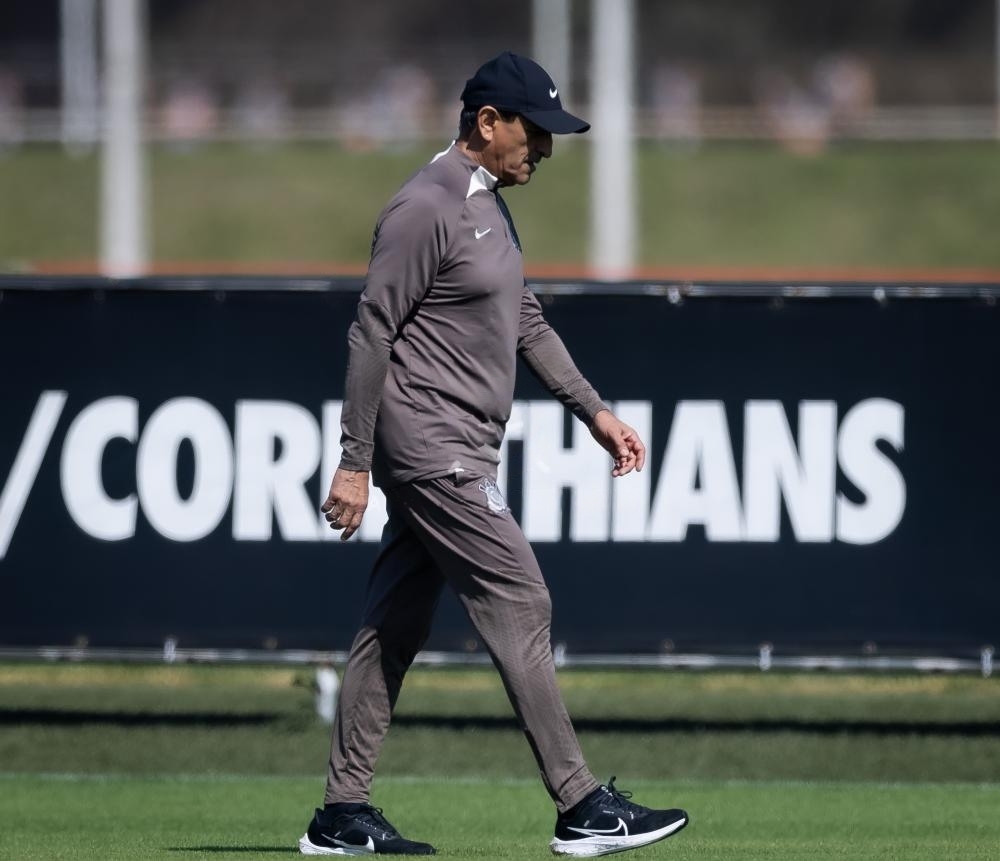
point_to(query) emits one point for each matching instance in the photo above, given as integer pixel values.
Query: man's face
(518, 146)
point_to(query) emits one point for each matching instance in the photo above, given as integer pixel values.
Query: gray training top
(444, 313)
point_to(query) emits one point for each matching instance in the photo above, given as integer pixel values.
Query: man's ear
(486, 121)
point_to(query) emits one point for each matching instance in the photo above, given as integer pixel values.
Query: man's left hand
(620, 441)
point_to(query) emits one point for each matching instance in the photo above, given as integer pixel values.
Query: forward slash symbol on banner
(27, 463)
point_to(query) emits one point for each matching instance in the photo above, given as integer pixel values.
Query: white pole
(123, 181)
(612, 207)
(79, 73)
(550, 43)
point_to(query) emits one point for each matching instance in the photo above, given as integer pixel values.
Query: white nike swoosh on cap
(553, 92)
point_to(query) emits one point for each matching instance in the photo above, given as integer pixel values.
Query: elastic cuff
(350, 466)
(592, 414)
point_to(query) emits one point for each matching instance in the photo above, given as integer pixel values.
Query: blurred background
(729, 137)
(776, 140)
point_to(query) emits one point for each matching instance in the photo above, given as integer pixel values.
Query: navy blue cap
(519, 85)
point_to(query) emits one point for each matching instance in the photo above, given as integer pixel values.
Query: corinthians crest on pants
(494, 498)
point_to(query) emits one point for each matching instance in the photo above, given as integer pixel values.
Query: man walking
(430, 382)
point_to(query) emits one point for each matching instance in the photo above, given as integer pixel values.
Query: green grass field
(649, 724)
(107, 762)
(733, 205)
(203, 818)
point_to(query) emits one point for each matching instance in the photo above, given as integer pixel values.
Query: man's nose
(543, 145)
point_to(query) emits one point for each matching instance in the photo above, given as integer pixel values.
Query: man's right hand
(346, 503)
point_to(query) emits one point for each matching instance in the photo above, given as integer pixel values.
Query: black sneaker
(356, 829)
(606, 821)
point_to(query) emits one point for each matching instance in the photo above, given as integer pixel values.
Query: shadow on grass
(968, 729)
(69, 717)
(234, 849)
(695, 725)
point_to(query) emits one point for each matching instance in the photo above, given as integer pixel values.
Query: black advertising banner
(822, 472)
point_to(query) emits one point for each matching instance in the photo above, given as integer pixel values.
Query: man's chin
(519, 178)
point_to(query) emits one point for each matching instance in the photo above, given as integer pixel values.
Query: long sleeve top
(444, 314)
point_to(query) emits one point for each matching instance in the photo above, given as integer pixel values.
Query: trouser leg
(403, 591)
(487, 560)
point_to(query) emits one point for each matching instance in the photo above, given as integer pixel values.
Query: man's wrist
(347, 466)
(593, 416)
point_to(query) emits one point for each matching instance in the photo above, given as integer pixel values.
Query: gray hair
(467, 120)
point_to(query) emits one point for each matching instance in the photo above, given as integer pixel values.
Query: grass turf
(653, 724)
(110, 762)
(196, 819)
(877, 204)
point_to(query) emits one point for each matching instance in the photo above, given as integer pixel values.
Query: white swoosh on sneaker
(620, 830)
(358, 847)
(481, 233)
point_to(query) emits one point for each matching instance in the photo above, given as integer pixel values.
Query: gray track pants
(456, 532)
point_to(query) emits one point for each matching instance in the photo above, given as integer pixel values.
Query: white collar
(481, 179)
